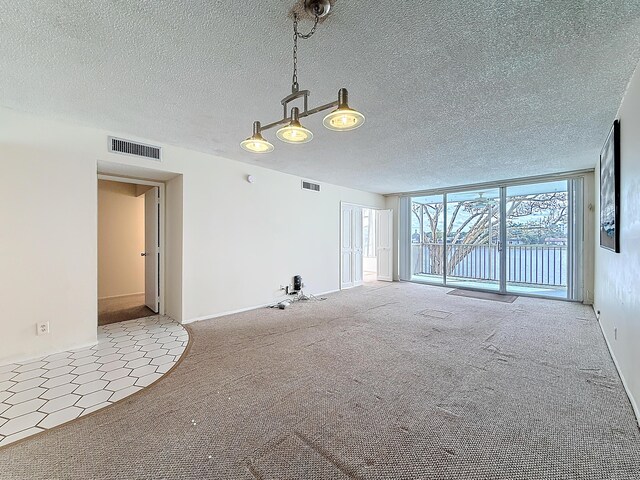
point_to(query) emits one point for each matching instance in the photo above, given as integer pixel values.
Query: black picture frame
(610, 190)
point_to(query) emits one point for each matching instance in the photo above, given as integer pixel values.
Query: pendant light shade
(256, 142)
(343, 118)
(294, 132)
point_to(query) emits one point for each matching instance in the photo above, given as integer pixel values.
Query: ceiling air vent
(118, 145)
(314, 187)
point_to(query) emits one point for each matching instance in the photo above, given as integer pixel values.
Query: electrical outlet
(43, 328)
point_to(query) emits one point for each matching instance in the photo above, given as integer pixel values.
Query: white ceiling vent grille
(119, 145)
(314, 187)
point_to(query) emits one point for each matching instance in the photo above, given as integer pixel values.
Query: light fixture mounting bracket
(317, 7)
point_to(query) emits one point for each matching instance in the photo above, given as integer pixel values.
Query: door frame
(161, 226)
(349, 204)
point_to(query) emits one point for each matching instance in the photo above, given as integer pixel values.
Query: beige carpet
(392, 381)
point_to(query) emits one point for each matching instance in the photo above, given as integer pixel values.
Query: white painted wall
(617, 275)
(120, 239)
(240, 241)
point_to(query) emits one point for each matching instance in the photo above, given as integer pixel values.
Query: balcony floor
(518, 289)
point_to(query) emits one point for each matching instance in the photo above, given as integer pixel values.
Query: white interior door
(346, 246)
(152, 249)
(357, 264)
(384, 244)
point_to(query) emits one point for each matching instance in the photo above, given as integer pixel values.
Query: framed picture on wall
(610, 190)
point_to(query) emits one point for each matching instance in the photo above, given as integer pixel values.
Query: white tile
(27, 384)
(142, 336)
(146, 344)
(138, 362)
(30, 366)
(21, 377)
(8, 368)
(91, 387)
(83, 361)
(59, 391)
(3, 407)
(58, 363)
(58, 371)
(128, 343)
(96, 407)
(60, 403)
(125, 392)
(94, 398)
(56, 356)
(21, 423)
(165, 339)
(121, 383)
(142, 371)
(109, 358)
(178, 351)
(106, 351)
(124, 351)
(156, 353)
(89, 377)
(107, 367)
(148, 380)
(151, 347)
(23, 408)
(172, 344)
(60, 417)
(165, 367)
(162, 360)
(89, 367)
(120, 334)
(61, 380)
(6, 385)
(19, 436)
(133, 356)
(7, 376)
(24, 396)
(116, 374)
(4, 395)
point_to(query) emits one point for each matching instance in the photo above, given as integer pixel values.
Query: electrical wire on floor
(299, 297)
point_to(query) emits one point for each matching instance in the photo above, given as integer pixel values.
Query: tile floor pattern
(46, 392)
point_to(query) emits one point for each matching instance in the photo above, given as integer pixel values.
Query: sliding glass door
(510, 239)
(473, 239)
(537, 244)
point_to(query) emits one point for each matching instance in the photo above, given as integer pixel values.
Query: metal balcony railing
(526, 264)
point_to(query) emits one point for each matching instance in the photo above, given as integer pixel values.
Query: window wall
(518, 238)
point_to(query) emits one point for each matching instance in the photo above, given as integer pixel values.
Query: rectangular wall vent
(118, 145)
(314, 187)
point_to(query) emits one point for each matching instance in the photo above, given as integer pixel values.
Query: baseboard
(121, 296)
(26, 359)
(242, 310)
(634, 404)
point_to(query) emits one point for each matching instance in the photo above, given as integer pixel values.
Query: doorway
(518, 239)
(366, 237)
(129, 249)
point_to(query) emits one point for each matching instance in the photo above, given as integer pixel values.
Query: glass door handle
(499, 246)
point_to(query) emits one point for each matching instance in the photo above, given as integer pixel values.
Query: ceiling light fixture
(343, 118)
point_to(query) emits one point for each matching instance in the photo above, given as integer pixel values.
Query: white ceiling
(454, 92)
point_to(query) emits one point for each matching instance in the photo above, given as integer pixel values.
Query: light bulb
(294, 132)
(343, 118)
(256, 142)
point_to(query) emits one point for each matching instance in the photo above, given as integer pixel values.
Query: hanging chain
(294, 81)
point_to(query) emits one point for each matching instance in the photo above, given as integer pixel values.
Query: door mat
(496, 297)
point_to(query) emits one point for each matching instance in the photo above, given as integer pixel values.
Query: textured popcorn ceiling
(454, 92)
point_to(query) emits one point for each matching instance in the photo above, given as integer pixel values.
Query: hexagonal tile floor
(42, 393)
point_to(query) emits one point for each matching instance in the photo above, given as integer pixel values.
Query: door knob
(143, 254)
